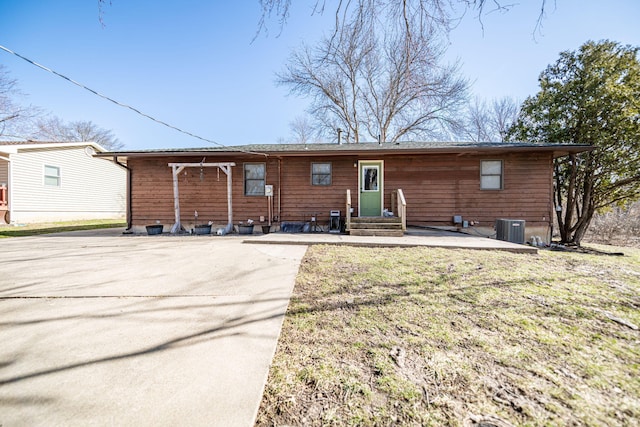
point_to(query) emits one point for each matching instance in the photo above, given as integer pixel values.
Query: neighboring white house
(59, 181)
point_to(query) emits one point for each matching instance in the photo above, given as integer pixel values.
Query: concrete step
(376, 232)
(375, 219)
(376, 225)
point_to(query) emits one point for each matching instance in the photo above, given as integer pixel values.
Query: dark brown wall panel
(436, 187)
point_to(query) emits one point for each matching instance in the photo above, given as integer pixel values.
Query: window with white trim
(254, 179)
(320, 173)
(491, 174)
(51, 176)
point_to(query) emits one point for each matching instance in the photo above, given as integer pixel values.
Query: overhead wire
(120, 104)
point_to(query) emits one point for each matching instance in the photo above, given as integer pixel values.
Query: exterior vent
(510, 230)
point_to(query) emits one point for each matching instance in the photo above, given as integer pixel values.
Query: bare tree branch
(55, 129)
(378, 81)
(15, 119)
(416, 15)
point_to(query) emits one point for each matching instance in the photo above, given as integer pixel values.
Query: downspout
(280, 190)
(129, 197)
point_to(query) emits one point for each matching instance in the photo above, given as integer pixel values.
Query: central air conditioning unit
(510, 230)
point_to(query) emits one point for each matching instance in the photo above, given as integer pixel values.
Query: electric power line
(135, 110)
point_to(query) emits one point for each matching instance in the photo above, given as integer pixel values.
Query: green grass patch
(426, 336)
(58, 227)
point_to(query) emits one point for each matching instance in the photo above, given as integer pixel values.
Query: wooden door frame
(380, 181)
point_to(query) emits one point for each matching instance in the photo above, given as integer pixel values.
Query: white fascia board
(13, 149)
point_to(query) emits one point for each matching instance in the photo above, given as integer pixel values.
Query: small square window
(254, 179)
(491, 174)
(320, 173)
(51, 176)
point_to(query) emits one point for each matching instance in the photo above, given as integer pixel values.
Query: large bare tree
(15, 119)
(377, 79)
(489, 121)
(302, 130)
(55, 129)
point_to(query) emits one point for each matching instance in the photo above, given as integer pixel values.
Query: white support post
(176, 198)
(227, 171)
(179, 167)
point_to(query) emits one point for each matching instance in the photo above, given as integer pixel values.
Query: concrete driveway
(97, 328)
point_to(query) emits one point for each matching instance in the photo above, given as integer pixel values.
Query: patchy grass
(57, 227)
(427, 336)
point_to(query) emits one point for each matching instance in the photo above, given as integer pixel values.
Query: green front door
(371, 188)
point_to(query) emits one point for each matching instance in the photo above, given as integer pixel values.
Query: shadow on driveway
(126, 330)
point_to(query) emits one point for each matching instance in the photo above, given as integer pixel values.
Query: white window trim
(501, 175)
(45, 176)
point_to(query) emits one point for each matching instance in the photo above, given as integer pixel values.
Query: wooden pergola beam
(176, 168)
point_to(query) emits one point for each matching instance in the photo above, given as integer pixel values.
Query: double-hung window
(491, 172)
(51, 176)
(320, 173)
(254, 179)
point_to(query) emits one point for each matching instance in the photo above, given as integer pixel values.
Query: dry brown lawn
(424, 336)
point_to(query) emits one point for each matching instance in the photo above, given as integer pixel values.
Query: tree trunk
(580, 205)
(581, 230)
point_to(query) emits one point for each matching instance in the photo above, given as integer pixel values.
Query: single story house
(59, 181)
(463, 185)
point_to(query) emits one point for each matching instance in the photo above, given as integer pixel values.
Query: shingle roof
(343, 149)
(28, 142)
(15, 146)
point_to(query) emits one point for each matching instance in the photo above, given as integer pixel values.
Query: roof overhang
(353, 150)
(16, 147)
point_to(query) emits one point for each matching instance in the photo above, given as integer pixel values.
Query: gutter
(355, 150)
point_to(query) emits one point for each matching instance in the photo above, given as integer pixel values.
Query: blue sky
(193, 63)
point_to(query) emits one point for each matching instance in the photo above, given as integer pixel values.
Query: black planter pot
(154, 229)
(245, 229)
(202, 229)
(266, 229)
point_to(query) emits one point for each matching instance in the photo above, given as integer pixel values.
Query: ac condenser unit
(510, 230)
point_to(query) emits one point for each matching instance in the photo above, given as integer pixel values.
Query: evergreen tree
(589, 96)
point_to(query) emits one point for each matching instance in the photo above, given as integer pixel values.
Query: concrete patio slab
(412, 238)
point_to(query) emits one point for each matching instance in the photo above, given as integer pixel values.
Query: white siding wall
(89, 188)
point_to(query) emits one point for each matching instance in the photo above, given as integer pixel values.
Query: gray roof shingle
(361, 148)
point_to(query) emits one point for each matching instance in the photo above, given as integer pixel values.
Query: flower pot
(154, 229)
(202, 229)
(266, 229)
(245, 229)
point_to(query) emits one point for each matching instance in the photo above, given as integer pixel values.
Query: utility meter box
(268, 190)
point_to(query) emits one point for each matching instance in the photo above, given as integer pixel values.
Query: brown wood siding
(301, 199)
(436, 187)
(152, 191)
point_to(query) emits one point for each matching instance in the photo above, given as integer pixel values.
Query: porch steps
(376, 226)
